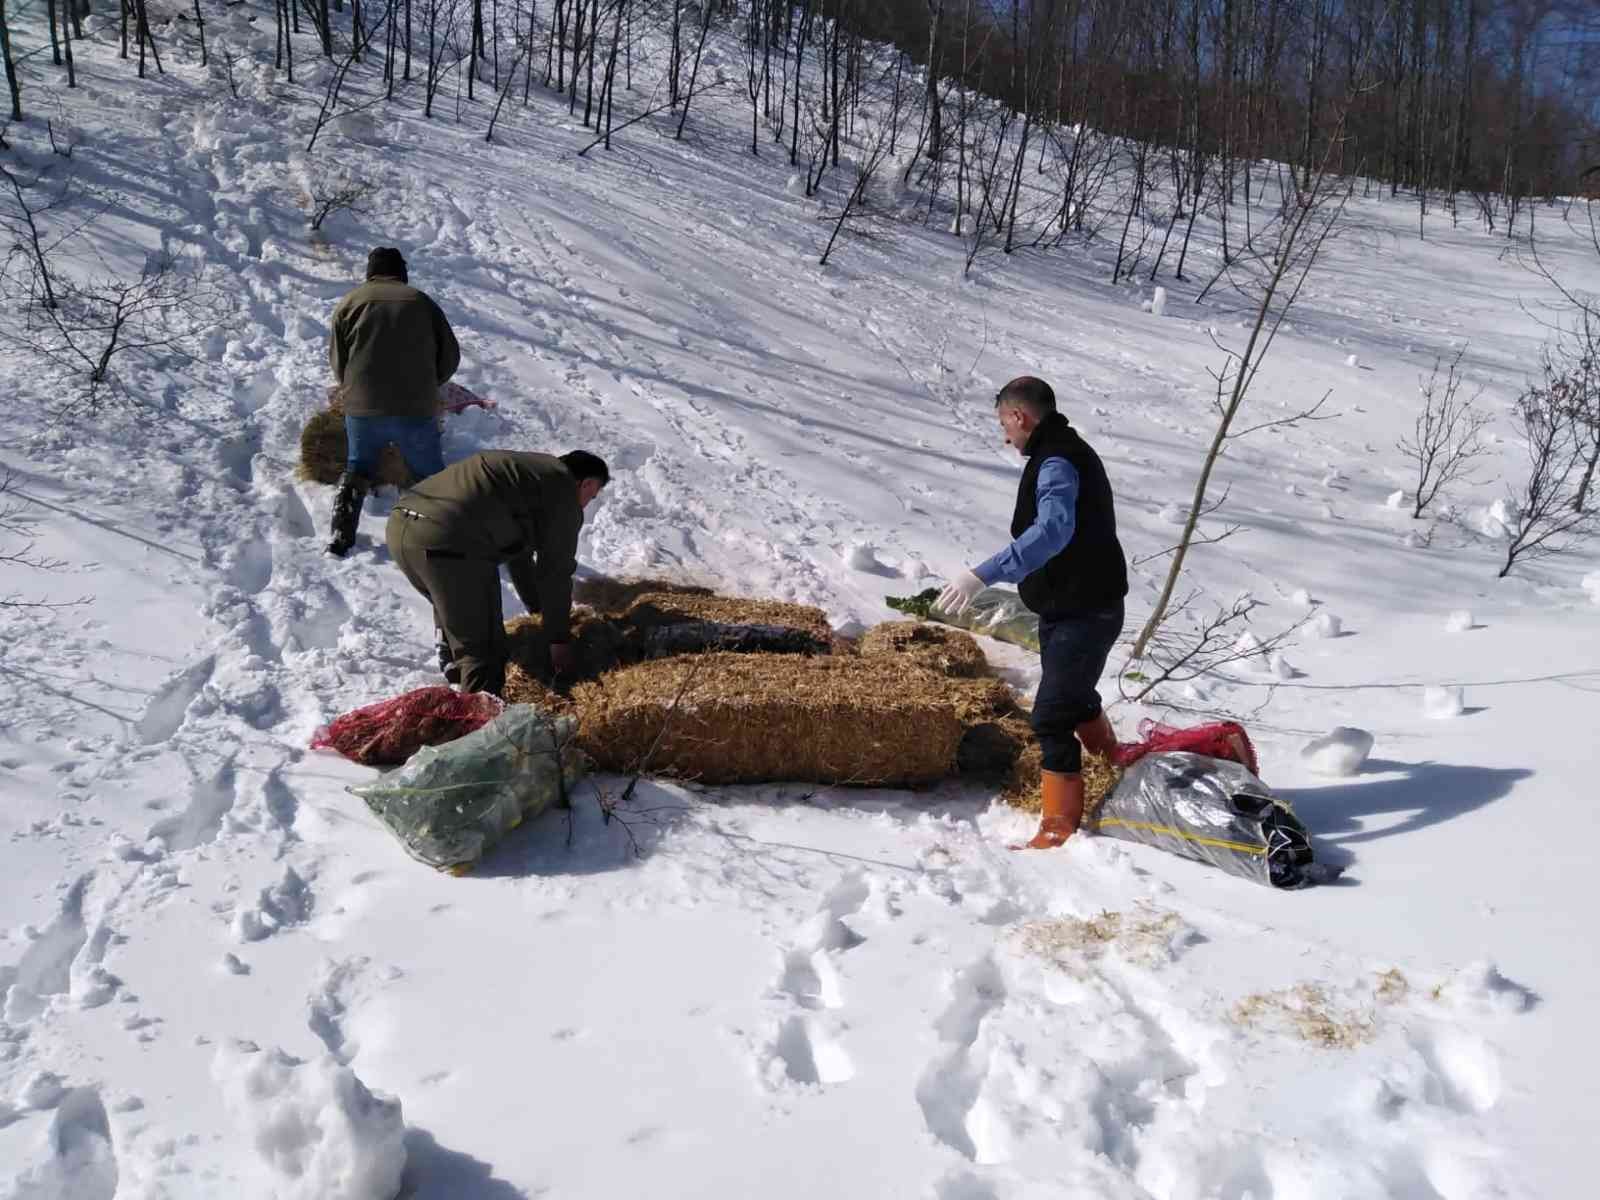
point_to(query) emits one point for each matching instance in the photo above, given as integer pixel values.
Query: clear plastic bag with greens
(450, 804)
(995, 612)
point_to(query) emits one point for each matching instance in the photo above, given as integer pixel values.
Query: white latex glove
(959, 594)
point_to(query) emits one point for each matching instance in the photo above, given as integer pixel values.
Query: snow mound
(1158, 303)
(1442, 703)
(1459, 621)
(287, 902)
(1591, 585)
(1395, 500)
(1325, 625)
(1174, 514)
(317, 1127)
(76, 1160)
(862, 556)
(1352, 360)
(1340, 752)
(1301, 598)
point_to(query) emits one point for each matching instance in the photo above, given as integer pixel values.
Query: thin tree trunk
(12, 81)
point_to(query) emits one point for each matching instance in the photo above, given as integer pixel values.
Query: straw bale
(613, 597)
(749, 718)
(661, 608)
(1005, 747)
(936, 647)
(601, 646)
(323, 448)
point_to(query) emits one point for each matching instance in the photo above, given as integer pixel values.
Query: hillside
(787, 990)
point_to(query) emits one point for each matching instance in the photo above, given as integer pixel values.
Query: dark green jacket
(510, 507)
(391, 348)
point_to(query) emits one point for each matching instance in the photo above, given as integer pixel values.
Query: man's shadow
(1427, 793)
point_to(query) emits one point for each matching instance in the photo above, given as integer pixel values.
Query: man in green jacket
(390, 349)
(451, 532)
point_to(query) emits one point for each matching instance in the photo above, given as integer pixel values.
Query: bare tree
(12, 80)
(334, 191)
(856, 203)
(23, 224)
(1545, 520)
(1447, 436)
(14, 521)
(104, 320)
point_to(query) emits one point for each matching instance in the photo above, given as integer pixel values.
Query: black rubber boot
(347, 511)
(447, 660)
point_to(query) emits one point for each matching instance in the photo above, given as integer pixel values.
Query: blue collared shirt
(1056, 492)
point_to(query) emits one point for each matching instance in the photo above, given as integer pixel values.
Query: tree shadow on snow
(1427, 793)
(435, 1173)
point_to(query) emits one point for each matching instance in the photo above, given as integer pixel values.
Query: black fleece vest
(1090, 574)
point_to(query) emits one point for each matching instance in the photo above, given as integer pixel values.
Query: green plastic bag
(995, 612)
(450, 804)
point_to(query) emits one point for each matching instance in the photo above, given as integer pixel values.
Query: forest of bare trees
(1455, 102)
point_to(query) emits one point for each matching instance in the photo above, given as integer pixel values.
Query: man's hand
(959, 593)
(563, 658)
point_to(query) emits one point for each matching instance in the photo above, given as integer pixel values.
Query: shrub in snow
(1324, 625)
(1442, 703)
(1158, 303)
(1340, 752)
(322, 1134)
(1459, 621)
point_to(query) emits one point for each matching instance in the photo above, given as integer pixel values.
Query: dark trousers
(465, 594)
(1072, 653)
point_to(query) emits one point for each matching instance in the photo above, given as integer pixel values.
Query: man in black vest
(1069, 568)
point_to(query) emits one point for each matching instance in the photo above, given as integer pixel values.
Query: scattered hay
(753, 718)
(1146, 937)
(1310, 1014)
(1392, 987)
(613, 597)
(662, 608)
(1005, 748)
(324, 447)
(936, 647)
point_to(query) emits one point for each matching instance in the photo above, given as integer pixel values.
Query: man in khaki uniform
(451, 532)
(390, 349)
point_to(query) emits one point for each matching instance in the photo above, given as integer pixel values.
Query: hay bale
(613, 597)
(938, 648)
(751, 718)
(601, 646)
(663, 608)
(1004, 748)
(324, 447)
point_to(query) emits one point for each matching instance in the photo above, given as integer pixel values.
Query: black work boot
(447, 660)
(347, 511)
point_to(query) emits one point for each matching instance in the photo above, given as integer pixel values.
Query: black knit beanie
(386, 260)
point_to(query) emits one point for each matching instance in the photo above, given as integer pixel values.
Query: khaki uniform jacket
(391, 348)
(511, 507)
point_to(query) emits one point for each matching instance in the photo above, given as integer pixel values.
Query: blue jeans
(1072, 652)
(417, 438)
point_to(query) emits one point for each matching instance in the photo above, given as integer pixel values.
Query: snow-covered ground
(220, 974)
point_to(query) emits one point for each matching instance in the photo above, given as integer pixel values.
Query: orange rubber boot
(1061, 810)
(1097, 737)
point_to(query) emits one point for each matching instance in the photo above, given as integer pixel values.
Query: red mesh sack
(455, 398)
(391, 731)
(1219, 739)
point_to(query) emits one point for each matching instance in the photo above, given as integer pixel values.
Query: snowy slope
(787, 990)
